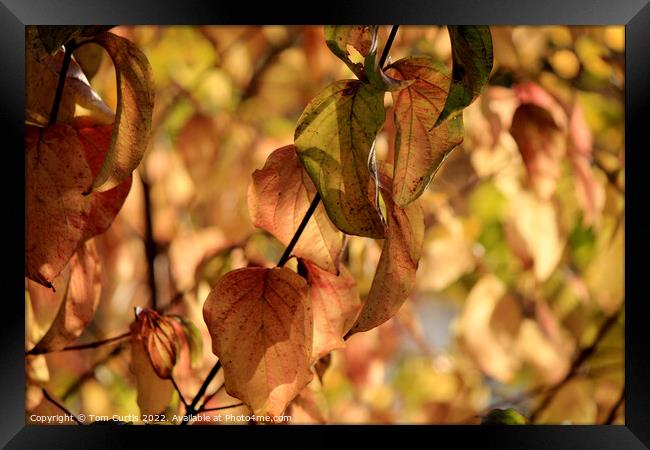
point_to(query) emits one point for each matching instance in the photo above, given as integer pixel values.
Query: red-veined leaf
(420, 146)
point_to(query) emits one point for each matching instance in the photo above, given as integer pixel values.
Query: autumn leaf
(335, 303)
(54, 36)
(135, 96)
(471, 50)
(361, 37)
(420, 145)
(158, 336)
(504, 417)
(395, 275)
(278, 200)
(42, 77)
(79, 302)
(260, 321)
(542, 146)
(61, 161)
(334, 138)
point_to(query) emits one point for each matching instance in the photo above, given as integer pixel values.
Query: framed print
(271, 217)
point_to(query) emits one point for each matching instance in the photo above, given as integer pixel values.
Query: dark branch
(389, 44)
(69, 48)
(294, 240)
(219, 408)
(82, 346)
(61, 407)
(191, 410)
(150, 246)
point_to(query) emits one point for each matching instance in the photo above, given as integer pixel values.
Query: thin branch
(178, 390)
(301, 228)
(69, 48)
(611, 417)
(389, 44)
(81, 346)
(575, 366)
(61, 407)
(219, 408)
(191, 410)
(210, 397)
(150, 246)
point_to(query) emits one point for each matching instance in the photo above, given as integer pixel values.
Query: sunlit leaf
(334, 139)
(132, 125)
(278, 200)
(471, 48)
(395, 275)
(504, 417)
(260, 321)
(79, 303)
(420, 145)
(361, 37)
(61, 161)
(335, 304)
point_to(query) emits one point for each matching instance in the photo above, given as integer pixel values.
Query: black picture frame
(634, 14)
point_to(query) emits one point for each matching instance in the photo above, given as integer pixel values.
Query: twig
(389, 44)
(95, 344)
(191, 410)
(178, 390)
(219, 408)
(294, 240)
(210, 397)
(575, 366)
(149, 242)
(612, 414)
(61, 407)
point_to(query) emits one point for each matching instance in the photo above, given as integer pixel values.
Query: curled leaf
(260, 321)
(278, 200)
(54, 36)
(471, 51)
(395, 275)
(420, 145)
(135, 95)
(79, 302)
(334, 137)
(335, 304)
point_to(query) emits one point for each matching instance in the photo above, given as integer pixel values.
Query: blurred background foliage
(513, 290)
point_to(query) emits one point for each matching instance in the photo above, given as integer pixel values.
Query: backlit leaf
(471, 49)
(420, 145)
(395, 275)
(158, 337)
(79, 303)
(278, 200)
(361, 37)
(260, 321)
(61, 161)
(132, 125)
(334, 138)
(335, 303)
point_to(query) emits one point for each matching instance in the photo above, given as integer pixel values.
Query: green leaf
(334, 139)
(362, 37)
(420, 145)
(504, 417)
(471, 50)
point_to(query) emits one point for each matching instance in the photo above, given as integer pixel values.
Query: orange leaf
(278, 200)
(542, 146)
(158, 336)
(395, 275)
(133, 116)
(80, 300)
(61, 161)
(335, 304)
(260, 321)
(420, 146)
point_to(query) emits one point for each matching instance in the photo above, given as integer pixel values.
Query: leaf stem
(191, 410)
(69, 48)
(150, 246)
